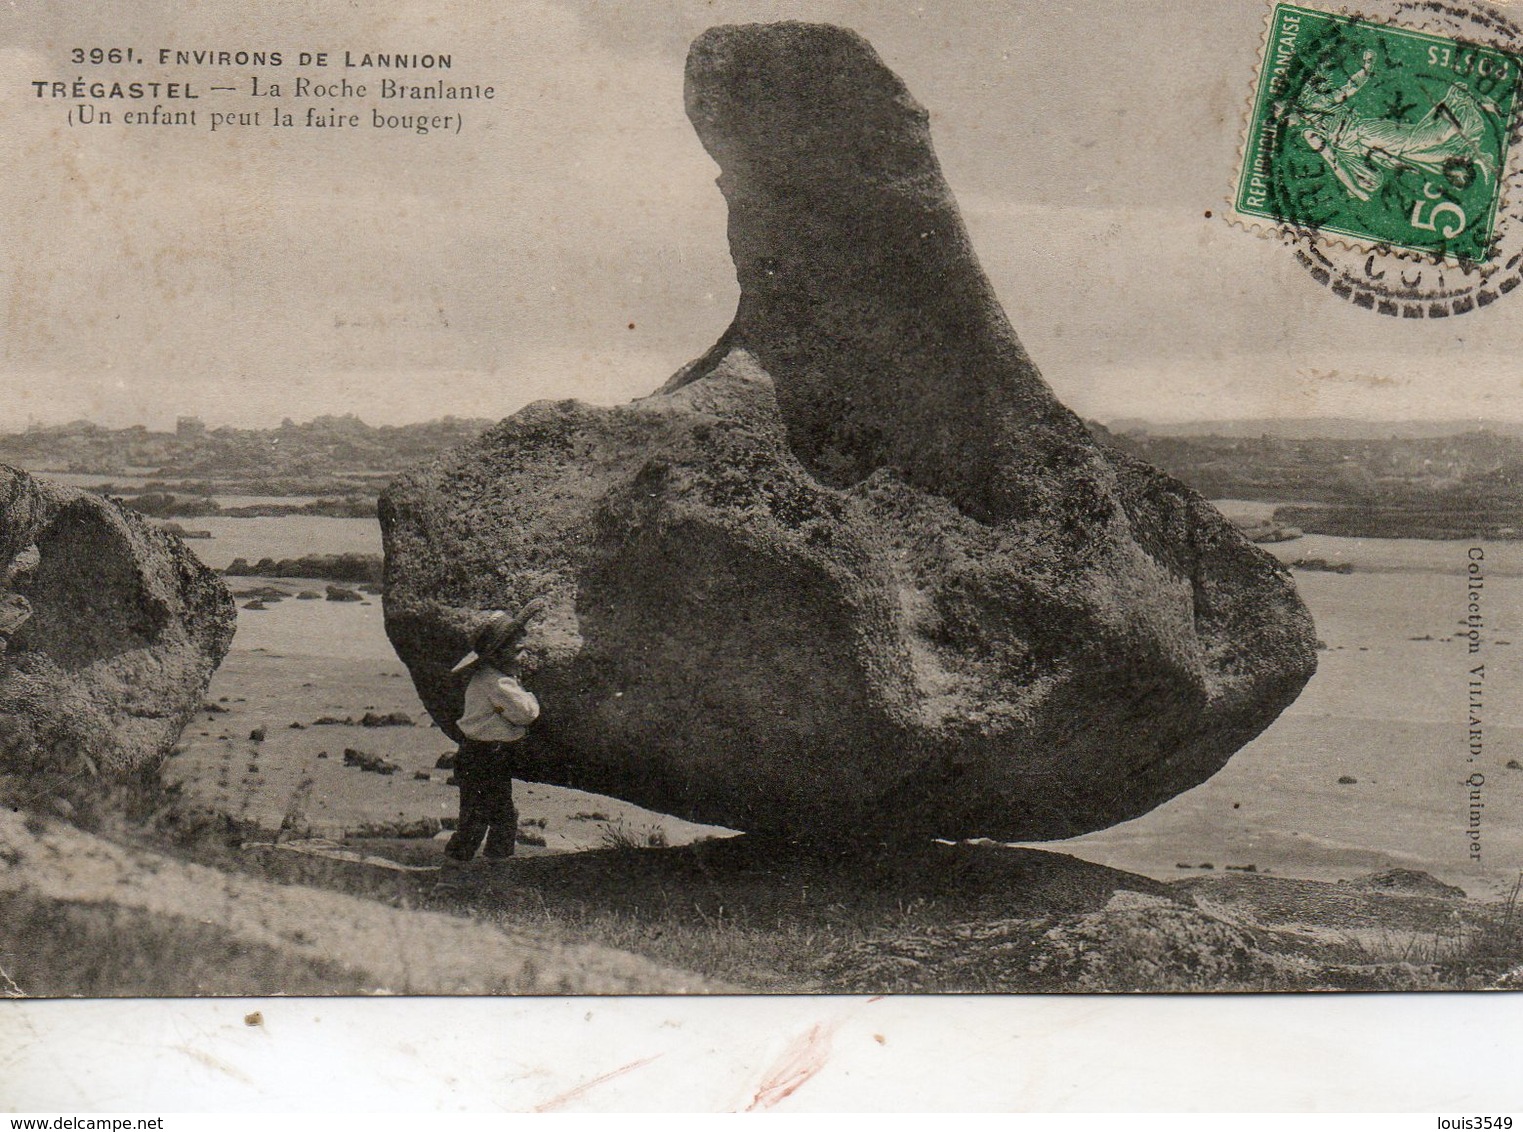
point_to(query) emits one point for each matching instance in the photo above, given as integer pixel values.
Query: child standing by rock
(498, 709)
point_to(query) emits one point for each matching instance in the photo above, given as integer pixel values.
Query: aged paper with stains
(262, 263)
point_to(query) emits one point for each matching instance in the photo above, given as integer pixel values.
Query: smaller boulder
(1408, 882)
(123, 628)
(365, 761)
(390, 719)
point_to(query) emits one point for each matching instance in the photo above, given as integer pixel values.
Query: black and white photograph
(805, 497)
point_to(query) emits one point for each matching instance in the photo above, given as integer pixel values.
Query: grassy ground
(965, 918)
(97, 948)
(82, 914)
(756, 914)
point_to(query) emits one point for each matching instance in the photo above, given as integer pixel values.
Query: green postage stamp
(1386, 136)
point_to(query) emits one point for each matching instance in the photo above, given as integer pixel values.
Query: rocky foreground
(83, 914)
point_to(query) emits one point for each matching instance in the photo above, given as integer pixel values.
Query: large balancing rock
(124, 630)
(855, 570)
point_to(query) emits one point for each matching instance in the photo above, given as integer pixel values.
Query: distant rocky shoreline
(327, 454)
(1433, 523)
(329, 567)
(165, 505)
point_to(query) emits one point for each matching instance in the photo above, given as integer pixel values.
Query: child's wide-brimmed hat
(500, 632)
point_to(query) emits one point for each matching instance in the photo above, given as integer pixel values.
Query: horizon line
(1125, 419)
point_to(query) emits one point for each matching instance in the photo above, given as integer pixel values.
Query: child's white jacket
(497, 707)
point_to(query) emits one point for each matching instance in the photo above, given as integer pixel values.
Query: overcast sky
(251, 275)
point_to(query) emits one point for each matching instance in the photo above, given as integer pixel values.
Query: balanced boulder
(855, 570)
(115, 630)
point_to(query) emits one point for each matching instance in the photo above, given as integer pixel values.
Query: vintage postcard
(565, 498)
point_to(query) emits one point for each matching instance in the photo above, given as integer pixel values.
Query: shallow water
(345, 630)
(1384, 709)
(290, 536)
(1409, 555)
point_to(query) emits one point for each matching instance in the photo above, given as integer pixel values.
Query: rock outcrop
(123, 628)
(854, 569)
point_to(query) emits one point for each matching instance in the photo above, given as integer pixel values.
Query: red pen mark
(805, 1056)
(571, 1094)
